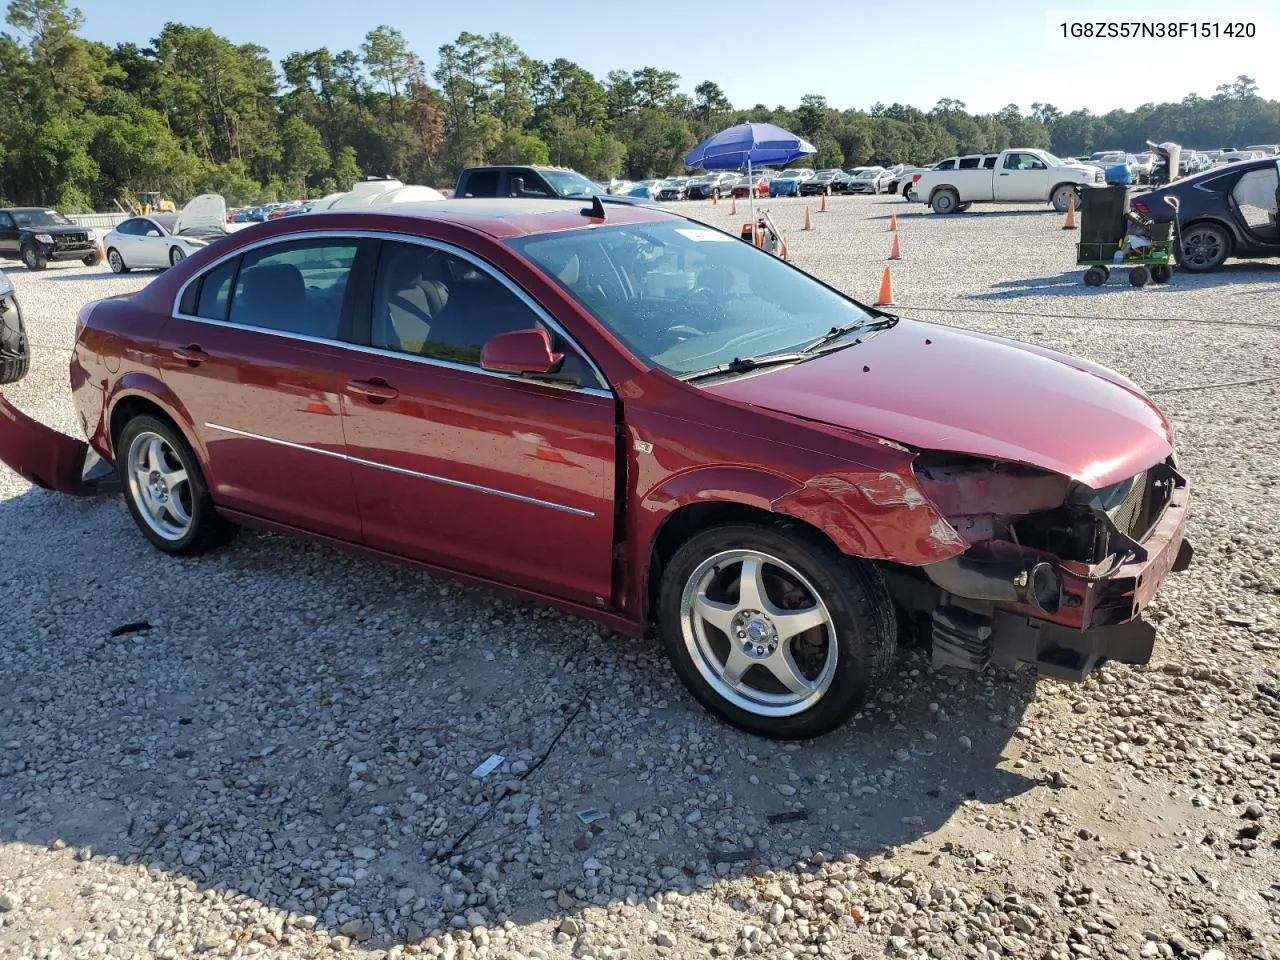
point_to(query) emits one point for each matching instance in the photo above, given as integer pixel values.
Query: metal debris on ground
(591, 815)
(490, 765)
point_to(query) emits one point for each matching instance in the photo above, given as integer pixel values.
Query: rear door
(255, 354)
(1254, 199)
(490, 474)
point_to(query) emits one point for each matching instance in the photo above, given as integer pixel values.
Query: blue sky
(986, 54)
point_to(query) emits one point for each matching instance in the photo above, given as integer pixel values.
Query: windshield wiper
(885, 321)
(745, 365)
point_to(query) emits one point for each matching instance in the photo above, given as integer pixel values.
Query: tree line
(83, 123)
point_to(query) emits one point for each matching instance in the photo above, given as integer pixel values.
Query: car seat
(407, 302)
(274, 296)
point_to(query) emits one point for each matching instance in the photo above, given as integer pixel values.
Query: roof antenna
(595, 210)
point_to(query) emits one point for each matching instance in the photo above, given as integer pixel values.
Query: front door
(494, 475)
(8, 236)
(256, 358)
(1022, 177)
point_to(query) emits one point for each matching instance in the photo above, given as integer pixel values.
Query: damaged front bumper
(977, 612)
(49, 459)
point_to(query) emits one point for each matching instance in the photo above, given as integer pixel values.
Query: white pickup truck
(1011, 176)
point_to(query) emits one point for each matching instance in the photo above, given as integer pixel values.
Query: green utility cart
(1151, 263)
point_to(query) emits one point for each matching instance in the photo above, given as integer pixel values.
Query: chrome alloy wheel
(758, 633)
(159, 486)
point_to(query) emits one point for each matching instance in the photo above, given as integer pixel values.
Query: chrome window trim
(602, 384)
(447, 481)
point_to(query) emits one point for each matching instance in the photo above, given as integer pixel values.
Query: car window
(209, 296)
(1256, 195)
(1022, 161)
(294, 287)
(149, 228)
(430, 303)
(130, 228)
(970, 163)
(989, 163)
(483, 183)
(6, 221)
(945, 165)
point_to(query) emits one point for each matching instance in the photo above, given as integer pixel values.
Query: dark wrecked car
(647, 422)
(1228, 211)
(36, 235)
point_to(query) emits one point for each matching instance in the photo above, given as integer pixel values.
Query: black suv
(37, 235)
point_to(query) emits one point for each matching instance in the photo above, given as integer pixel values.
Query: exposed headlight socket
(1044, 588)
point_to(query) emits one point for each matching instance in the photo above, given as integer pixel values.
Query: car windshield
(684, 297)
(868, 174)
(570, 184)
(40, 218)
(1051, 160)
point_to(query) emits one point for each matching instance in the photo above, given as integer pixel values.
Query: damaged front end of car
(49, 459)
(1057, 573)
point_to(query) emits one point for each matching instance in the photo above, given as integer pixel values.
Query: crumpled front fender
(42, 455)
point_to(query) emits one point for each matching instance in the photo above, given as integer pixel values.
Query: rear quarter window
(209, 296)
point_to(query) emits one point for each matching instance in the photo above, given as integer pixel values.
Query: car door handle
(376, 391)
(192, 354)
(1004, 174)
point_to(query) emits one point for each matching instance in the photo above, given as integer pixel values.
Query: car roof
(25, 209)
(501, 218)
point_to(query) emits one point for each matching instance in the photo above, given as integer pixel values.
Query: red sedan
(742, 188)
(647, 422)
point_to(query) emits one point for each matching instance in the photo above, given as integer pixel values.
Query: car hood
(931, 387)
(206, 213)
(56, 230)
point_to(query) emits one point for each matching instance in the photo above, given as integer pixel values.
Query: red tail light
(915, 177)
(1141, 208)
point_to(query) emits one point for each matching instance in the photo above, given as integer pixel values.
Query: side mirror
(520, 351)
(517, 186)
(153, 233)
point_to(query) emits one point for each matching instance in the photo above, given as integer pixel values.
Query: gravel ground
(276, 760)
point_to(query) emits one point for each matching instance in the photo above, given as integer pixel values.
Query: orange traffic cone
(823, 208)
(808, 221)
(893, 223)
(783, 251)
(1071, 213)
(733, 207)
(895, 253)
(886, 289)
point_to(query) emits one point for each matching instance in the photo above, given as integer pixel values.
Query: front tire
(1062, 198)
(116, 262)
(176, 256)
(15, 352)
(774, 630)
(93, 259)
(165, 490)
(34, 259)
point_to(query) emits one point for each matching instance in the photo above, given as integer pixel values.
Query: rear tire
(156, 466)
(945, 201)
(835, 664)
(1095, 276)
(1162, 274)
(1139, 276)
(1202, 247)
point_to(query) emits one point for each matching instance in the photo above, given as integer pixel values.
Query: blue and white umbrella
(748, 145)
